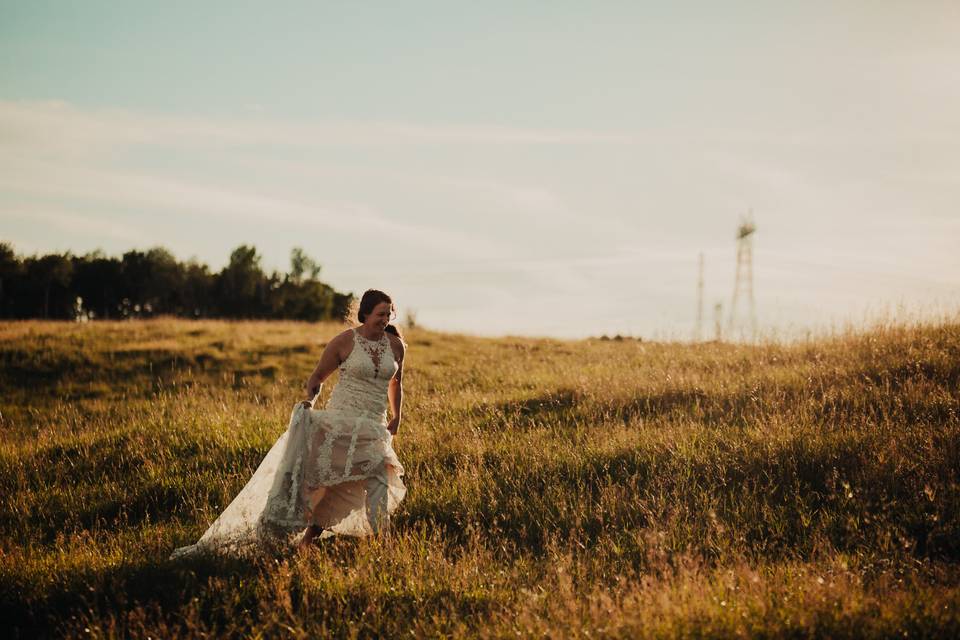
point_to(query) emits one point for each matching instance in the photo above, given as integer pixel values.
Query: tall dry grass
(609, 488)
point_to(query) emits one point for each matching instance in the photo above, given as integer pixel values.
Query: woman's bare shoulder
(344, 336)
(342, 342)
(398, 346)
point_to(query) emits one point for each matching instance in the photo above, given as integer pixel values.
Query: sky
(520, 168)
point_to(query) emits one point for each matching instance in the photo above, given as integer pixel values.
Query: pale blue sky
(537, 168)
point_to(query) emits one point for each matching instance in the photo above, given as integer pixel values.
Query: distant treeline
(149, 283)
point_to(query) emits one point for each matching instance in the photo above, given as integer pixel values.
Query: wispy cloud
(74, 223)
(537, 201)
(52, 150)
(56, 125)
(148, 193)
(462, 213)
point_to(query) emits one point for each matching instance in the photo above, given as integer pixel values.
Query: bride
(333, 468)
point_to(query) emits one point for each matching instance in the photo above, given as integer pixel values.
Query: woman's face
(379, 318)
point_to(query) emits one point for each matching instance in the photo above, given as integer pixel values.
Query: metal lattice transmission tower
(743, 280)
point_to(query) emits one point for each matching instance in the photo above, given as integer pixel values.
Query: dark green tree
(302, 266)
(153, 282)
(242, 286)
(96, 280)
(48, 278)
(198, 291)
(163, 288)
(11, 273)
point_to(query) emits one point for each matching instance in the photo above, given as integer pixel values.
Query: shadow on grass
(219, 593)
(99, 484)
(30, 610)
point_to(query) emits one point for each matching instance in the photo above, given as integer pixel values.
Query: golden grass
(561, 488)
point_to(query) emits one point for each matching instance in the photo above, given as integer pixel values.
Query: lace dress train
(333, 468)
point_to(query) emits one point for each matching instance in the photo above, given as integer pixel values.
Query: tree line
(143, 284)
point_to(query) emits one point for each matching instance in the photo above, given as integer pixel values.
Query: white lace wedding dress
(334, 468)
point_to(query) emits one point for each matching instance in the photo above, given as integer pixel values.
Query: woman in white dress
(333, 468)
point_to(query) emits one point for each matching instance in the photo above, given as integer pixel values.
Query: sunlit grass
(597, 487)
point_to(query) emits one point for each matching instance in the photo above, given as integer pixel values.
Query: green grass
(611, 488)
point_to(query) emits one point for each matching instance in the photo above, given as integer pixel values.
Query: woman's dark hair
(392, 329)
(370, 299)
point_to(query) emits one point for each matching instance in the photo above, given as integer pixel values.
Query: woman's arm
(395, 393)
(330, 359)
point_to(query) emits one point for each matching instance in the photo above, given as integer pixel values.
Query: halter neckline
(380, 339)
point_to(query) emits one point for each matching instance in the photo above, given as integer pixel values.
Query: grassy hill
(601, 488)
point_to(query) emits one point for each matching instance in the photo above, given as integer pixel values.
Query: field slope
(598, 488)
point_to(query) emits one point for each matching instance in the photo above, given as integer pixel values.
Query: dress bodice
(364, 378)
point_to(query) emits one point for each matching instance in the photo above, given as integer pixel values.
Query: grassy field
(599, 488)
